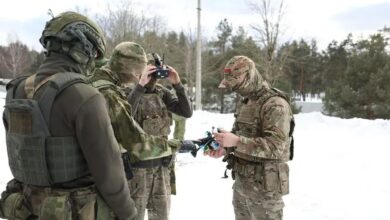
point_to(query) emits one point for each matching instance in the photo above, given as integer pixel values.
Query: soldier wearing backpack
(260, 144)
(61, 147)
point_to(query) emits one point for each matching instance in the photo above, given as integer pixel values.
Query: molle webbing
(262, 99)
(35, 157)
(152, 113)
(65, 159)
(103, 84)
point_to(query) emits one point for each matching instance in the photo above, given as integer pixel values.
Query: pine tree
(362, 88)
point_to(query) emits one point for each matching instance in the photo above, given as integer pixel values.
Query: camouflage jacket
(128, 133)
(263, 125)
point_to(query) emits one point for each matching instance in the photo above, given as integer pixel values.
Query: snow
(340, 171)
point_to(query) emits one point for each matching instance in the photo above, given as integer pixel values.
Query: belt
(35, 190)
(158, 162)
(244, 162)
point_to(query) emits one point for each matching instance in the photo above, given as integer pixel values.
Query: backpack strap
(53, 86)
(11, 87)
(290, 134)
(29, 87)
(58, 83)
(102, 84)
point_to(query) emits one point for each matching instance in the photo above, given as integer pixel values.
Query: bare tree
(15, 58)
(268, 32)
(125, 23)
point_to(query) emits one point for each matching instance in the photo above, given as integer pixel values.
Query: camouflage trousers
(180, 126)
(150, 189)
(44, 203)
(252, 202)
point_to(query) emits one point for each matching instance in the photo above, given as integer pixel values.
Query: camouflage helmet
(127, 59)
(241, 75)
(74, 27)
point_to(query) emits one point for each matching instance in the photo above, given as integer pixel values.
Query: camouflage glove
(187, 146)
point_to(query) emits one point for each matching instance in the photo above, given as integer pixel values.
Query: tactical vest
(35, 156)
(153, 115)
(104, 84)
(137, 151)
(248, 122)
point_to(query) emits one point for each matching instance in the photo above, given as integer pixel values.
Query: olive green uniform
(79, 111)
(154, 180)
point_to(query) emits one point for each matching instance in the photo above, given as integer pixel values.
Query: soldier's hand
(215, 153)
(173, 76)
(226, 139)
(146, 76)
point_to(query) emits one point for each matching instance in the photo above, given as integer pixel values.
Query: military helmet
(71, 26)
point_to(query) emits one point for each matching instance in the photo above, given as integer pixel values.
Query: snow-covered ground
(340, 171)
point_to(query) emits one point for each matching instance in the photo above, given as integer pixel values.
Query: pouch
(271, 177)
(152, 126)
(56, 207)
(103, 212)
(14, 206)
(87, 212)
(276, 177)
(284, 178)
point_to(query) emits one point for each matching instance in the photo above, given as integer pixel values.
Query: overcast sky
(323, 20)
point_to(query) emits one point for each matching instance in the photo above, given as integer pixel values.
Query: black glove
(187, 146)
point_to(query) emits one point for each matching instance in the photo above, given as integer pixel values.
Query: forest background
(351, 76)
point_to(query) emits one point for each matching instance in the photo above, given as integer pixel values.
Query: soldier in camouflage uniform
(128, 60)
(259, 145)
(154, 180)
(61, 147)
